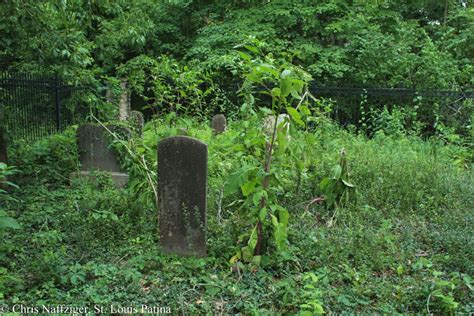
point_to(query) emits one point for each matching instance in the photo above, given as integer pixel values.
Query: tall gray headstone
(182, 190)
(219, 124)
(95, 152)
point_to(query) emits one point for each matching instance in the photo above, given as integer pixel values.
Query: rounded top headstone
(182, 140)
(219, 123)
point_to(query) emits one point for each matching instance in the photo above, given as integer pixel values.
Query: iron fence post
(58, 103)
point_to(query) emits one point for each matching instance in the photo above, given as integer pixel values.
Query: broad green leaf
(329, 198)
(282, 140)
(236, 179)
(258, 196)
(337, 171)
(318, 309)
(248, 187)
(256, 260)
(280, 233)
(283, 216)
(285, 87)
(244, 56)
(274, 220)
(324, 184)
(262, 214)
(8, 222)
(253, 49)
(253, 239)
(276, 92)
(247, 254)
(347, 184)
(305, 110)
(269, 69)
(285, 73)
(295, 94)
(295, 115)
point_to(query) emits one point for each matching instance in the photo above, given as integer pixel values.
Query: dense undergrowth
(401, 241)
(303, 217)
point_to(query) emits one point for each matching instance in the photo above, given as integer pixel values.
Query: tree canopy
(421, 44)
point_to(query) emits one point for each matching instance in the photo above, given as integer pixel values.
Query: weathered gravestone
(137, 121)
(182, 189)
(283, 124)
(95, 152)
(219, 124)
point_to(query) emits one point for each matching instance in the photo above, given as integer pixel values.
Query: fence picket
(35, 105)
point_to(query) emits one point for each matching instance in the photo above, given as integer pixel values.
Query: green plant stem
(265, 184)
(141, 159)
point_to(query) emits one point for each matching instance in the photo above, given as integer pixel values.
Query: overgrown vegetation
(400, 242)
(178, 54)
(304, 216)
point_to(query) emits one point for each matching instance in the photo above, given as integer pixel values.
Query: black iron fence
(351, 105)
(37, 106)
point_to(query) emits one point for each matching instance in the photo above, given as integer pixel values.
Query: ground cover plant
(314, 205)
(400, 242)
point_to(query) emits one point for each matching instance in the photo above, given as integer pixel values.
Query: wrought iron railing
(38, 106)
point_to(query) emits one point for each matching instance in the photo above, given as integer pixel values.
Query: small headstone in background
(219, 124)
(137, 121)
(96, 152)
(122, 132)
(183, 131)
(182, 193)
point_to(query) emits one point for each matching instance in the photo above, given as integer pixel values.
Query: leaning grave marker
(95, 152)
(137, 121)
(182, 194)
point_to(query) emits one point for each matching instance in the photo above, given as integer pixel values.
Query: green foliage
(398, 244)
(337, 189)
(189, 45)
(6, 223)
(166, 86)
(312, 295)
(284, 85)
(50, 160)
(410, 219)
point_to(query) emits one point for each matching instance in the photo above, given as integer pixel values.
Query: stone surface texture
(219, 124)
(182, 191)
(94, 149)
